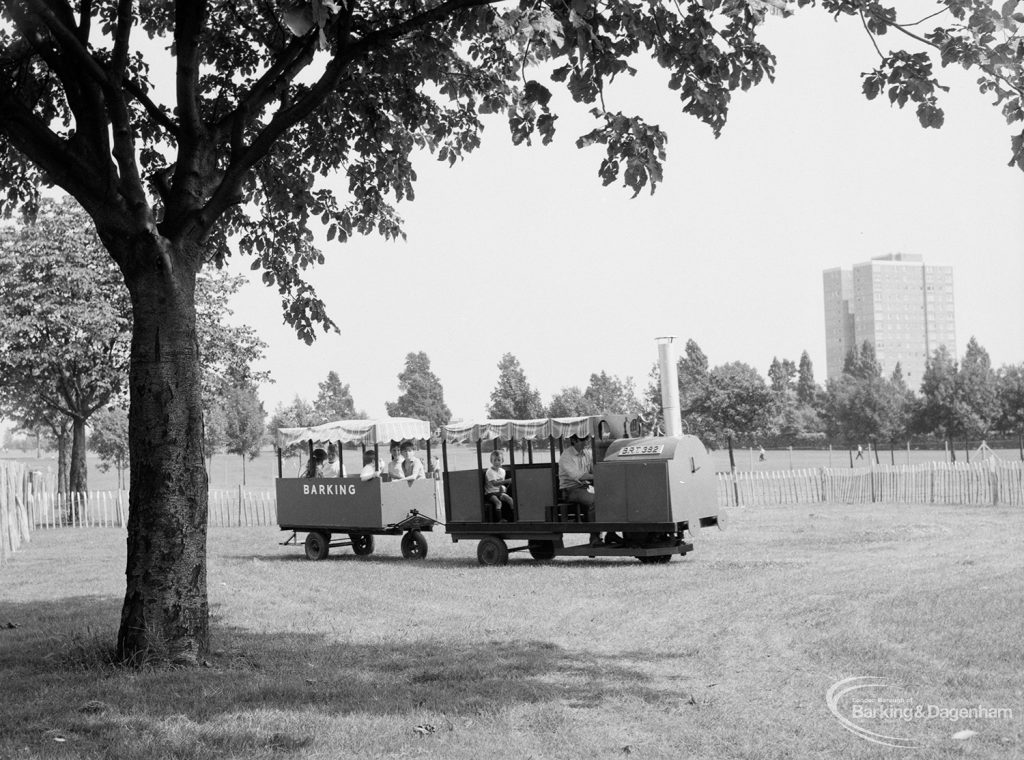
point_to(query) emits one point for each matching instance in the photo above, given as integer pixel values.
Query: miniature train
(654, 493)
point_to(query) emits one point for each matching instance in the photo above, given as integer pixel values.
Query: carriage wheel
(492, 551)
(362, 543)
(317, 545)
(414, 545)
(542, 551)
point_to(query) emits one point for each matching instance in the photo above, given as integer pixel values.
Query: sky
(521, 250)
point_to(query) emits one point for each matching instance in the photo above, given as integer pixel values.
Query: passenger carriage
(341, 512)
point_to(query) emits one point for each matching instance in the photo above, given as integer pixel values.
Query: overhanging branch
(228, 190)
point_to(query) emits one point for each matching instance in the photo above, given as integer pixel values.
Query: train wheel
(542, 551)
(414, 545)
(317, 545)
(657, 559)
(362, 543)
(492, 551)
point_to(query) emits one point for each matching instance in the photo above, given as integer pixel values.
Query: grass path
(727, 653)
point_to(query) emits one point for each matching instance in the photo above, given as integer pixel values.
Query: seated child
(315, 467)
(370, 469)
(495, 484)
(412, 465)
(394, 467)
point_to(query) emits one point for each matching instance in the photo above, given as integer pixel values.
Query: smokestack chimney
(669, 385)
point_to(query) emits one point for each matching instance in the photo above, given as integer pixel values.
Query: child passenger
(495, 484)
(394, 467)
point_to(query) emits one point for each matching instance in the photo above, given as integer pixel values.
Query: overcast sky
(522, 250)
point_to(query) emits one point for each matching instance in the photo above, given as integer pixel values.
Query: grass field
(225, 470)
(727, 653)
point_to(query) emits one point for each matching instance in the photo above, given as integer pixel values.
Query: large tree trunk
(165, 613)
(78, 476)
(62, 460)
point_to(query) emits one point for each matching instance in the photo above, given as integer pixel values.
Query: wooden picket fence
(14, 515)
(992, 482)
(239, 507)
(227, 508)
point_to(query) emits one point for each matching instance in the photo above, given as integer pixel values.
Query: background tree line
(957, 402)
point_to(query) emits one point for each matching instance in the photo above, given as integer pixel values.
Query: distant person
(333, 468)
(860, 452)
(761, 456)
(315, 468)
(370, 469)
(495, 489)
(412, 465)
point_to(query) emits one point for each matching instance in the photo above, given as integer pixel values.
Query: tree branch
(158, 115)
(61, 165)
(983, 65)
(188, 24)
(83, 78)
(85, 20)
(228, 189)
(268, 87)
(122, 37)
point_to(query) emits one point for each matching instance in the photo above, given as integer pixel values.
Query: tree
(607, 394)
(781, 374)
(978, 391)
(568, 402)
(334, 401)
(939, 411)
(109, 440)
(244, 423)
(228, 352)
(268, 99)
(806, 388)
(64, 327)
(513, 398)
(422, 396)
(1010, 390)
(737, 403)
(864, 409)
(959, 401)
(862, 363)
(299, 413)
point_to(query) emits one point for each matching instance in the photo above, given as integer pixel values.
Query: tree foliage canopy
(513, 398)
(422, 395)
(334, 400)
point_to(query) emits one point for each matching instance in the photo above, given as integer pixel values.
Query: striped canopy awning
(356, 431)
(615, 425)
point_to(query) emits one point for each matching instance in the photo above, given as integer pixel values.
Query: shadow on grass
(266, 691)
(516, 559)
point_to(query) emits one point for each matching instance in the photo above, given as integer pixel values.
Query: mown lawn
(727, 653)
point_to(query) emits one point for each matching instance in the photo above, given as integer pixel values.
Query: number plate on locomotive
(641, 451)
